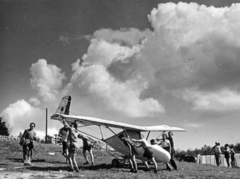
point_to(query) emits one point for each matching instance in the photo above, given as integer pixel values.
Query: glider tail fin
(64, 105)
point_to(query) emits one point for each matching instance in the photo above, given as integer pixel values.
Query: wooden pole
(46, 125)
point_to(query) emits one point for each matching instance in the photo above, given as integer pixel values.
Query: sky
(134, 61)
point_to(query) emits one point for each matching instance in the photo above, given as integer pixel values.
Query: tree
(3, 128)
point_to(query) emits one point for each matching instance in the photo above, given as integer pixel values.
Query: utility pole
(46, 124)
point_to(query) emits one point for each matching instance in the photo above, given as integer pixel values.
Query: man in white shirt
(217, 152)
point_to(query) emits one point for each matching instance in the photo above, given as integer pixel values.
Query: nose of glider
(166, 157)
(160, 154)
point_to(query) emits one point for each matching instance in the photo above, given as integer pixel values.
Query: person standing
(147, 152)
(217, 152)
(132, 153)
(227, 154)
(64, 133)
(28, 136)
(165, 144)
(73, 135)
(87, 146)
(172, 152)
(233, 161)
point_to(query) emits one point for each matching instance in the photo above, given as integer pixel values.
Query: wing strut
(101, 132)
(148, 135)
(111, 130)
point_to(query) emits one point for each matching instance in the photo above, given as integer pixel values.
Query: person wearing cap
(28, 136)
(217, 152)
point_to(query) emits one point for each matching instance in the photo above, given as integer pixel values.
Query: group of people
(228, 152)
(69, 135)
(166, 143)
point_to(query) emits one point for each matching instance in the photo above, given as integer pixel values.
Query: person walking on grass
(132, 153)
(87, 146)
(27, 143)
(147, 152)
(73, 133)
(64, 133)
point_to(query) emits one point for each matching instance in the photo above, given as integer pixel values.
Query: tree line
(205, 150)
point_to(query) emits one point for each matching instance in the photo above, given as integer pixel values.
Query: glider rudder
(64, 105)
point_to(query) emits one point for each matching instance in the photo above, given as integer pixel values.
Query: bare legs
(72, 161)
(91, 155)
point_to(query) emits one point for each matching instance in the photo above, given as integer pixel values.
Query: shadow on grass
(66, 168)
(20, 160)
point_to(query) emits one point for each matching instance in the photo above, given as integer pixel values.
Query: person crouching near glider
(87, 146)
(132, 153)
(147, 152)
(64, 133)
(73, 145)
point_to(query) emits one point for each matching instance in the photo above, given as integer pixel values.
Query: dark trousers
(217, 157)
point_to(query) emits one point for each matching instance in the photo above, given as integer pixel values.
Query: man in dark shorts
(147, 152)
(28, 136)
(87, 146)
(172, 152)
(132, 153)
(73, 145)
(64, 133)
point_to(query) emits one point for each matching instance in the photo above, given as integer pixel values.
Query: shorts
(28, 146)
(64, 145)
(72, 148)
(87, 147)
(133, 150)
(148, 153)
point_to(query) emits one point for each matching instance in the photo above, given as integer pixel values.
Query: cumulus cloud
(101, 87)
(222, 101)
(191, 55)
(20, 114)
(46, 79)
(196, 47)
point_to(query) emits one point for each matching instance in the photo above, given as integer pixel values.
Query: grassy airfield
(48, 166)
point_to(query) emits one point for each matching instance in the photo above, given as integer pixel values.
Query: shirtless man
(147, 152)
(132, 153)
(28, 136)
(87, 146)
(73, 145)
(64, 133)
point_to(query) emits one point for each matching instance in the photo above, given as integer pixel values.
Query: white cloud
(34, 101)
(46, 79)
(222, 101)
(20, 114)
(95, 82)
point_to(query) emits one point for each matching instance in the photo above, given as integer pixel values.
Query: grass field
(47, 166)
